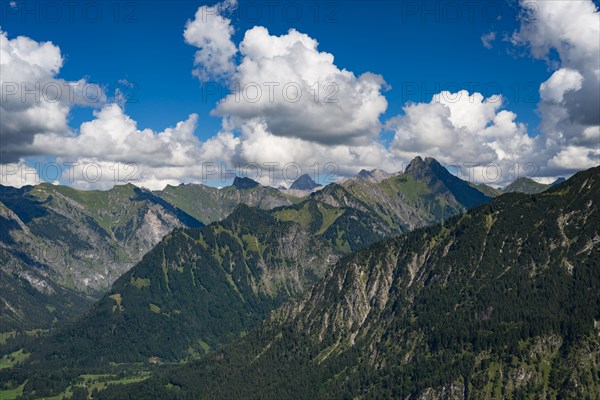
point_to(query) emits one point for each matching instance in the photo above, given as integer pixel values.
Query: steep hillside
(62, 240)
(28, 297)
(488, 190)
(503, 302)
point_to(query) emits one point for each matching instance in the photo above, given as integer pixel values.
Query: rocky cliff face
(87, 239)
(61, 240)
(29, 294)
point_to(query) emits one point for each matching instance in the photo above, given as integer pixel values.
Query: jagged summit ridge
(417, 164)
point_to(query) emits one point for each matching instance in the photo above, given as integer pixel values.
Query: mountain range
(203, 287)
(61, 248)
(351, 291)
(501, 302)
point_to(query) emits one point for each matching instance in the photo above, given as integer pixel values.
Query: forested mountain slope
(503, 302)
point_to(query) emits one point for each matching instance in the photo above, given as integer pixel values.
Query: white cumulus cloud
(562, 81)
(114, 136)
(570, 98)
(459, 127)
(211, 32)
(292, 104)
(296, 91)
(33, 99)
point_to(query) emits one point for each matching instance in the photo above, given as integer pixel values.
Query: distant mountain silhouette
(305, 182)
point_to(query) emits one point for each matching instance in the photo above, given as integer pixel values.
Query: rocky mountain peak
(363, 174)
(432, 162)
(526, 185)
(442, 182)
(420, 168)
(417, 164)
(304, 182)
(376, 175)
(244, 183)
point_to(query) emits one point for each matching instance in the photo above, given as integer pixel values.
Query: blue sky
(419, 48)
